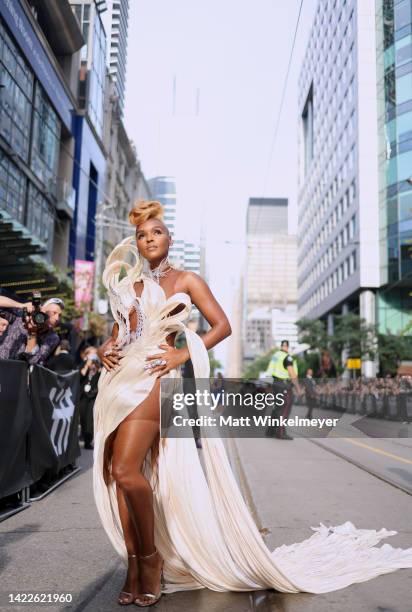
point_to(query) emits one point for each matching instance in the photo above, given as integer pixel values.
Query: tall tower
(115, 17)
(271, 278)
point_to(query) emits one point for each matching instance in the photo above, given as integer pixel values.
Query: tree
(392, 349)
(313, 332)
(260, 364)
(354, 335)
(351, 334)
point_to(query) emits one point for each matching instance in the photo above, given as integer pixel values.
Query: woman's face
(153, 240)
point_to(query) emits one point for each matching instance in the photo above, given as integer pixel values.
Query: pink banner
(83, 283)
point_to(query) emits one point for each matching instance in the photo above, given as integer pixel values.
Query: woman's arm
(202, 297)
(112, 360)
(209, 307)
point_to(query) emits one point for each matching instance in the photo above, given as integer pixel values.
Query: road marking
(379, 451)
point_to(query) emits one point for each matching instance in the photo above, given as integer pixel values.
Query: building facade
(124, 184)
(350, 250)
(271, 275)
(338, 217)
(90, 153)
(394, 62)
(37, 128)
(116, 21)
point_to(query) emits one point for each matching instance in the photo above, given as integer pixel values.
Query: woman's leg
(130, 447)
(131, 539)
(134, 437)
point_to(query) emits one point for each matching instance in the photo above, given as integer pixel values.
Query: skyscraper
(115, 16)
(270, 286)
(394, 26)
(271, 257)
(354, 164)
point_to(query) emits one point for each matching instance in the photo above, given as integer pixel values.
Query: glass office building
(93, 61)
(394, 54)
(32, 124)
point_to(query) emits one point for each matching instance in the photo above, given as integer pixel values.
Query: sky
(228, 60)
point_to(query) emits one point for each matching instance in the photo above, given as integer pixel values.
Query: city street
(58, 545)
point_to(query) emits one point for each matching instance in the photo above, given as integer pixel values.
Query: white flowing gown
(203, 528)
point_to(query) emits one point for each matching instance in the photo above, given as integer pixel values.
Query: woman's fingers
(159, 356)
(110, 362)
(165, 371)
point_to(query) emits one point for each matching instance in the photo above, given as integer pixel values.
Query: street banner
(53, 439)
(15, 420)
(83, 283)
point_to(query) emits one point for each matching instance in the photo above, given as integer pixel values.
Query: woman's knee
(128, 478)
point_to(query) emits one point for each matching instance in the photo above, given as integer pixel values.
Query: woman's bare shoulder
(190, 278)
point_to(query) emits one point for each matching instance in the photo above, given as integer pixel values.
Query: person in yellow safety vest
(283, 369)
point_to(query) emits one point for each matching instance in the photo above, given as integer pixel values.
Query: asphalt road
(58, 545)
(387, 458)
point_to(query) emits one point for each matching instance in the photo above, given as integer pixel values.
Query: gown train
(203, 528)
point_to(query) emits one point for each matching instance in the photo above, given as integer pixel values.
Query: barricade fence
(39, 417)
(368, 397)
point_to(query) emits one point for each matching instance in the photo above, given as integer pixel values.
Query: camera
(37, 317)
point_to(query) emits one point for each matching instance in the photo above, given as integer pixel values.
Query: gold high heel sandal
(154, 597)
(122, 601)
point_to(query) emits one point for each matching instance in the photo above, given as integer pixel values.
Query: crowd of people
(28, 332)
(361, 394)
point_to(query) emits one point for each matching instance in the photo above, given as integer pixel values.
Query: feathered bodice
(153, 310)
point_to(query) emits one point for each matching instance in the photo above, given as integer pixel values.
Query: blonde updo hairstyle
(144, 210)
(118, 270)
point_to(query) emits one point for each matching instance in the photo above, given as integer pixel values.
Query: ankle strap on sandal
(148, 556)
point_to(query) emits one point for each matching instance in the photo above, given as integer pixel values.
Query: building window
(403, 16)
(96, 76)
(46, 140)
(352, 227)
(16, 93)
(40, 220)
(352, 263)
(307, 122)
(12, 189)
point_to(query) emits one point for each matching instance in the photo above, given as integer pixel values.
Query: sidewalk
(58, 545)
(293, 485)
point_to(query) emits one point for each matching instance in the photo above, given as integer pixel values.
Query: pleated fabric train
(203, 528)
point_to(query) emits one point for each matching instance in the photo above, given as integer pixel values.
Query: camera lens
(40, 318)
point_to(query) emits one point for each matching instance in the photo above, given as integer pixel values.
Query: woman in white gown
(177, 525)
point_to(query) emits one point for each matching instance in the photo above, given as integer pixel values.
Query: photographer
(30, 335)
(3, 326)
(61, 361)
(89, 378)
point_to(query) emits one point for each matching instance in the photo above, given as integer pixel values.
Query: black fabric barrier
(53, 436)
(15, 420)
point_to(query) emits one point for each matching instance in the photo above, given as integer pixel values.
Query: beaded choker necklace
(161, 270)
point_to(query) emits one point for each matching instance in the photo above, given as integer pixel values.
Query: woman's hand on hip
(161, 363)
(110, 354)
